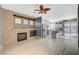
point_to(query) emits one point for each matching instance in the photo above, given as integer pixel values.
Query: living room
(24, 29)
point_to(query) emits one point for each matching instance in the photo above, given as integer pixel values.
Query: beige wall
(9, 32)
(1, 32)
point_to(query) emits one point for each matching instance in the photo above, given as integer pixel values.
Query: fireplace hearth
(21, 36)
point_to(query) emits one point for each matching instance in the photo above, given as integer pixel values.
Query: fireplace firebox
(32, 33)
(21, 36)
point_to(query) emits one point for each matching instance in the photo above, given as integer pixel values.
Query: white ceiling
(57, 12)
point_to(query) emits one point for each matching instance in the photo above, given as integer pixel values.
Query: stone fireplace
(15, 33)
(21, 36)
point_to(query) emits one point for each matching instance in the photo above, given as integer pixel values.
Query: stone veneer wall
(9, 32)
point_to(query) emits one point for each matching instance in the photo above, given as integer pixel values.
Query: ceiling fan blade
(36, 10)
(46, 9)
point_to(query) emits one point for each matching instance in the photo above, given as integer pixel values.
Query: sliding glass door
(74, 28)
(70, 28)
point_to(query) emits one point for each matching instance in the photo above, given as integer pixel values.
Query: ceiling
(57, 12)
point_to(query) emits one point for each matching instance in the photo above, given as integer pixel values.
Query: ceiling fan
(42, 10)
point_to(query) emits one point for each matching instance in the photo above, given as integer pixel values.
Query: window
(17, 20)
(25, 21)
(30, 22)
